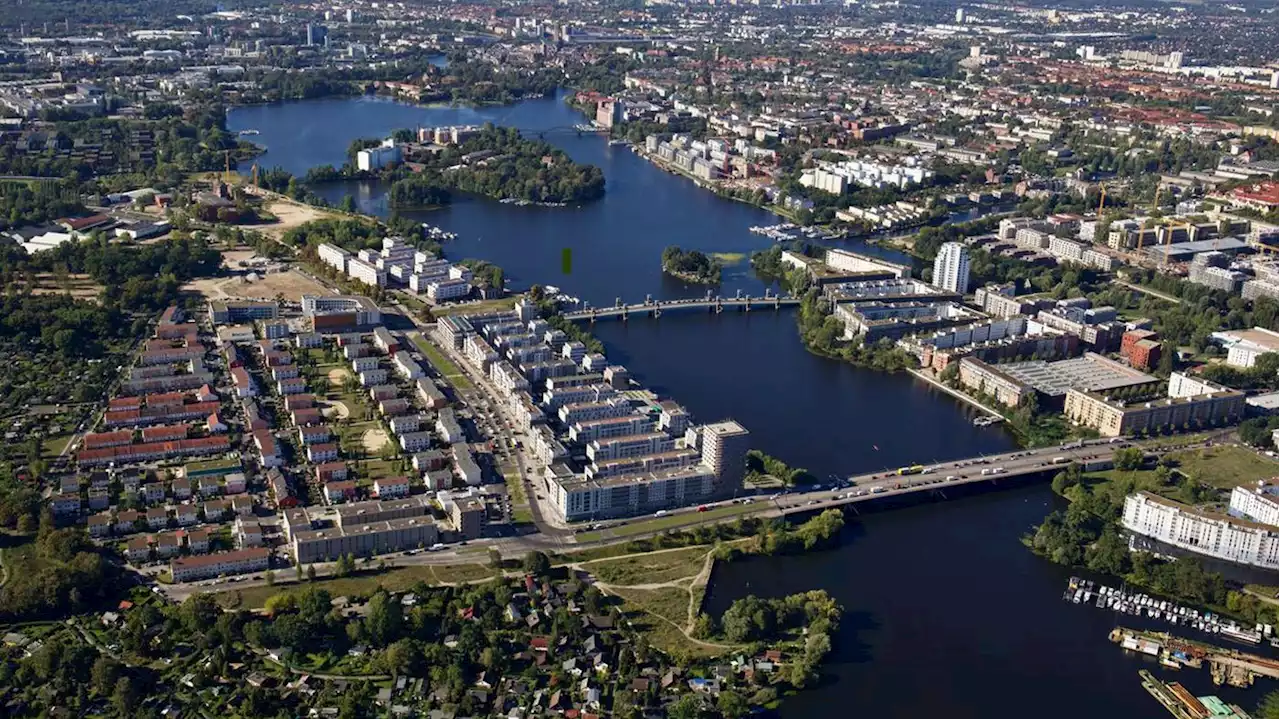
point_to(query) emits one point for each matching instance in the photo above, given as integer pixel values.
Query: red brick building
(1141, 348)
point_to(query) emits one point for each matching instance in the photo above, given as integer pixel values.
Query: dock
(1184, 705)
(1226, 666)
(958, 395)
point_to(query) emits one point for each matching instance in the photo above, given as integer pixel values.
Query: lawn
(443, 364)
(53, 446)
(475, 308)
(1225, 467)
(662, 614)
(650, 568)
(371, 469)
(658, 524)
(396, 580)
(520, 512)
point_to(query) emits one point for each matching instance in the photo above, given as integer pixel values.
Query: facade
(1258, 504)
(363, 538)
(1215, 535)
(467, 514)
(1114, 418)
(951, 267)
(988, 379)
(186, 569)
(724, 451)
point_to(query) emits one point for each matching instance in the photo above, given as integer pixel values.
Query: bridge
(935, 482)
(656, 308)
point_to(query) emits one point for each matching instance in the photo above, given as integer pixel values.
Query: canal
(947, 614)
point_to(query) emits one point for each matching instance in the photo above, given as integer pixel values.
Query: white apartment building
(406, 366)
(376, 158)
(366, 272)
(441, 290)
(1258, 504)
(1214, 535)
(951, 267)
(479, 352)
(629, 446)
(334, 256)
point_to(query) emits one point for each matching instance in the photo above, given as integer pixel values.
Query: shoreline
(958, 395)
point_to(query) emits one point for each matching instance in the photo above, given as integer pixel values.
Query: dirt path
(687, 584)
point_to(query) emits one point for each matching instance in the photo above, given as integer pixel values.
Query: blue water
(947, 614)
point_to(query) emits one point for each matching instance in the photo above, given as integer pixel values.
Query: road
(856, 490)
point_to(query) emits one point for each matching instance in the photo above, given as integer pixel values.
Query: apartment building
(363, 539)
(1214, 535)
(987, 379)
(1116, 417)
(1258, 503)
(242, 561)
(588, 431)
(578, 497)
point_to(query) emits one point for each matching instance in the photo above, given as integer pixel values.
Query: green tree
(1128, 459)
(348, 204)
(125, 697)
(688, 706)
(105, 673)
(732, 705)
(537, 563)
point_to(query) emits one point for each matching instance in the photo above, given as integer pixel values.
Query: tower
(724, 451)
(951, 267)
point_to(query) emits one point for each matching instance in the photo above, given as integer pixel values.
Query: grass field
(661, 614)
(658, 524)
(1225, 467)
(53, 446)
(650, 568)
(443, 364)
(395, 580)
(475, 308)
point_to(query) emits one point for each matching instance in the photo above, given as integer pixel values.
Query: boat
(619, 142)
(1243, 636)
(249, 132)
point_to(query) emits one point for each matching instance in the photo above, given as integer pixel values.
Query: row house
(385, 341)
(391, 487)
(323, 452)
(296, 385)
(377, 393)
(153, 451)
(429, 394)
(299, 401)
(159, 414)
(307, 417)
(268, 448)
(430, 460)
(215, 510)
(393, 407)
(287, 371)
(405, 423)
(308, 340)
(415, 441)
(316, 434)
(244, 384)
(331, 471)
(339, 491)
(280, 490)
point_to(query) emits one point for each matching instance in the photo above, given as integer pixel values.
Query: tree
(348, 204)
(537, 563)
(104, 675)
(125, 697)
(688, 706)
(732, 705)
(1128, 459)
(311, 572)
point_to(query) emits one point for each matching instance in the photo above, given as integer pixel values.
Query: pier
(656, 308)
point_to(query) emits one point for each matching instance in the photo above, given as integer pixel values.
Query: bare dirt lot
(374, 440)
(291, 284)
(338, 376)
(291, 215)
(334, 410)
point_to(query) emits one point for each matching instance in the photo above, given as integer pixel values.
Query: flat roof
(1205, 514)
(725, 428)
(1090, 373)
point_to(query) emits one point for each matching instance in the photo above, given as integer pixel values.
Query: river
(947, 614)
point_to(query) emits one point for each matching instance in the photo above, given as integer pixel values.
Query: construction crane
(1102, 201)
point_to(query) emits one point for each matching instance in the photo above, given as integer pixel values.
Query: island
(691, 266)
(497, 162)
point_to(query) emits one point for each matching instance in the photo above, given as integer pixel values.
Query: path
(686, 584)
(1148, 291)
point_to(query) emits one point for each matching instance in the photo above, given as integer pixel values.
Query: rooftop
(1092, 372)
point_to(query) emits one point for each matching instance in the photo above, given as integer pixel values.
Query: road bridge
(656, 308)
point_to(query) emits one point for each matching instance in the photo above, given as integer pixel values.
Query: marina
(435, 233)
(1138, 604)
(786, 231)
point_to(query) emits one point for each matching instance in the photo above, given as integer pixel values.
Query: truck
(1059, 460)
